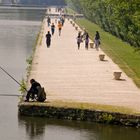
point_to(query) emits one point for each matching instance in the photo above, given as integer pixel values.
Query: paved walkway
(70, 74)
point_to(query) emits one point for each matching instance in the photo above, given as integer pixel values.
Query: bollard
(76, 28)
(91, 44)
(101, 57)
(117, 75)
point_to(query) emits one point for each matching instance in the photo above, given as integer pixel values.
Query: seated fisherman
(34, 90)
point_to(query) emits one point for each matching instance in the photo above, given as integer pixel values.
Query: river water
(18, 32)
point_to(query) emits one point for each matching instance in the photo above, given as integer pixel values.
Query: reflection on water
(34, 127)
(41, 128)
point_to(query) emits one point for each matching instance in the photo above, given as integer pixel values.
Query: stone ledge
(68, 113)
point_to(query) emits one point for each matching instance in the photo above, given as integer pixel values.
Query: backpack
(41, 94)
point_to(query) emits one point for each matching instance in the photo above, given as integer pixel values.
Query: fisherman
(36, 92)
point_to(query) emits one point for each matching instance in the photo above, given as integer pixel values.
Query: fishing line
(10, 95)
(12, 77)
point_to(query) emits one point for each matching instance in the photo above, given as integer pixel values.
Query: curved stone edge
(78, 114)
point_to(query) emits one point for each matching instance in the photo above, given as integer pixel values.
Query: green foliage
(29, 62)
(119, 17)
(74, 4)
(23, 86)
(107, 118)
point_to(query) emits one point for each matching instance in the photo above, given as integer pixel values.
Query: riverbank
(79, 112)
(78, 77)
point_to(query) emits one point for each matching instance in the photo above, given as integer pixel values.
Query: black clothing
(97, 36)
(48, 39)
(62, 21)
(52, 29)
(86, 41)
(49, 21)
(33, 90)
(34, 87)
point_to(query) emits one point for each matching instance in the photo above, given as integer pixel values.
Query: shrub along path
(73, 75)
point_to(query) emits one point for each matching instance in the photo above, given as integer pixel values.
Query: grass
(120, 52)
(89, 106)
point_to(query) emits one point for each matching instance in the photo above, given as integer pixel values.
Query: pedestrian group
(85, 38)
(81, 37)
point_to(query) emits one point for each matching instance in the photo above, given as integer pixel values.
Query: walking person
(52, 28)
(97, 40)
(48, 21)
(62, 20)
(86, 41)
(79, 40)
(48, 39)
(84, 34)
(59, 27)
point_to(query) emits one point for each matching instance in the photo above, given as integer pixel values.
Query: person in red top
(59, 27)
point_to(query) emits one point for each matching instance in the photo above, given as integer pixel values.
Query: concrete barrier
(101, 57)
(76, 28)
(91, 44)
(117, 75)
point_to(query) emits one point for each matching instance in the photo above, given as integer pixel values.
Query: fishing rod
(11, 95)
(12, 77)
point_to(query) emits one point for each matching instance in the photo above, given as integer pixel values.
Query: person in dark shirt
(86, 41)
(79, 40)
(33, 90)
(97, 40)
(48, 39)
(52, 28)
(48, 21)
(97, 35)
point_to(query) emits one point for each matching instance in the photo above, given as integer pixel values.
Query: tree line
(119, 17)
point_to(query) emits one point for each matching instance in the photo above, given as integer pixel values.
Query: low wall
(78, 114)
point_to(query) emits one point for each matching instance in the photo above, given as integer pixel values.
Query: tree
(119, 17)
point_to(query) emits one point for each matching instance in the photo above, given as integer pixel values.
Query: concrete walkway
(69, 74)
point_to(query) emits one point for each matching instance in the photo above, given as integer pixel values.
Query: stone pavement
(69, 74)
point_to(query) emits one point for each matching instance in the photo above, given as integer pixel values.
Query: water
(18, 29)
(42, 129)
